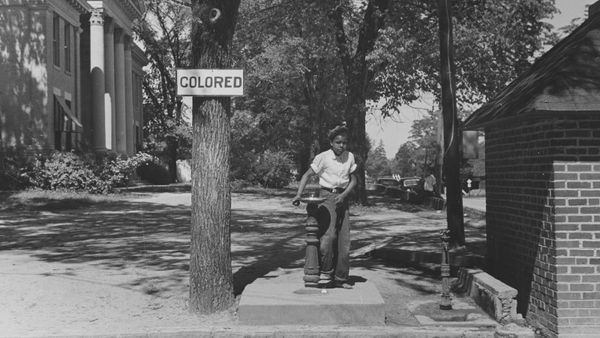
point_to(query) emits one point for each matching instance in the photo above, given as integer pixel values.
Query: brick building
(542, 146)
(70, 75)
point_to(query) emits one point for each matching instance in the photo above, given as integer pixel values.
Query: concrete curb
(301, 331)
(428, 259)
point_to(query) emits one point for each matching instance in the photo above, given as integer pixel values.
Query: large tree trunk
(211, 279)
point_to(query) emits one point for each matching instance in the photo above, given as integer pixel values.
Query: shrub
(242, 166)
(94, 173)
(61, 171)
(12, 166)
(117, 171)
(274, 169)
(153, 172)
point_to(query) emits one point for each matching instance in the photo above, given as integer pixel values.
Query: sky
(394, 131)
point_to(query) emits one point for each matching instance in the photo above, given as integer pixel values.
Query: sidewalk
(121, 268)
(474, 202)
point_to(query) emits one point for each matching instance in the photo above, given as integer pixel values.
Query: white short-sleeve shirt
(334, 171)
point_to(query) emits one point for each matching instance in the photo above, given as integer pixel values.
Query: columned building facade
(73, 75)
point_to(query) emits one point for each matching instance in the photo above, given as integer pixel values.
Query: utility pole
(452, 137)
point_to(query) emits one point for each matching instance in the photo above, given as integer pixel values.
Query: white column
(129, 126)
(109, 96)
(121, 121)
(97, 78)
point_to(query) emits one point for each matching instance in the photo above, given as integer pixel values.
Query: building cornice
(132, 8)
(80, 5)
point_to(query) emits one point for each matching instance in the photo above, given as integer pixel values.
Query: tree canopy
(382, 50)
(378, 164)
(310, 65)
(494, 41)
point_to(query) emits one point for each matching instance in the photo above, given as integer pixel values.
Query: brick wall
(543, 215)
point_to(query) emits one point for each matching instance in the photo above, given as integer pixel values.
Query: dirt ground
(121, 266)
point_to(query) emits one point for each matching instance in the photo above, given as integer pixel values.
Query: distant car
(386, 185)
(411, 182)
(388, 182)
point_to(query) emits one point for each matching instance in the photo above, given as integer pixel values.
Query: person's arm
(302, 184)
(342, 197)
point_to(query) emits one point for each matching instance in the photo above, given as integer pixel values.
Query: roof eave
(473, 122)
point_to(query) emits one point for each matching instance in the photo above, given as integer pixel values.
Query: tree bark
(452, 135)
(211, 278)
(315, 116)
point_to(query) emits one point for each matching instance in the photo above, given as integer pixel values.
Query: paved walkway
(474, 202)
(121, 267)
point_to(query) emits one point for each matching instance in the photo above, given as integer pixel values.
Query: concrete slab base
(463, 314)
(283, 300)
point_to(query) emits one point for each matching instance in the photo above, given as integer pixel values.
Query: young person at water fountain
(335, 168)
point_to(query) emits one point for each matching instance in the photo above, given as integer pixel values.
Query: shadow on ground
(125, 234)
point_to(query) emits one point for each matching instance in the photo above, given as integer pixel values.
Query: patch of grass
(45, 200)
(266, 192)
(173, 187)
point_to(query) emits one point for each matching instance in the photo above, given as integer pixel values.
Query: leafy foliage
(390, 49)
(494, 41)
(274, 169)
(310, 64)
(165, 34)
(72, 172)
(420, 154)
(406, 160)
(377, 163)
(12, 164)
(292, 76)
(117, 171)
(153, 172)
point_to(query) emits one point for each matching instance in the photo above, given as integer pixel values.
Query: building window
(56, 39)
(59, 125)
(65, 125)
(67, 46)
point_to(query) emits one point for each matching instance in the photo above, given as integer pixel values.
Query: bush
(154, 173)
(117, 171)
(98, 173)
(61, 171)
(12, 166)
(274, 169)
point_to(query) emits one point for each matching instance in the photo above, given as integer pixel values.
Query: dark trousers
(334, 236)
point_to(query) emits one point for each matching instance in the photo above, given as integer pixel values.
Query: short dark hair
(339, 130)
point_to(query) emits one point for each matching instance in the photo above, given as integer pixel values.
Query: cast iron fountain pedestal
(311, 263)
(446, 301)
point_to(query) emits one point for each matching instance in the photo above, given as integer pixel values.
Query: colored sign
(210, 82)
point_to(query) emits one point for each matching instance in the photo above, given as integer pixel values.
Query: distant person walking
(429, 185)
(335, 168)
